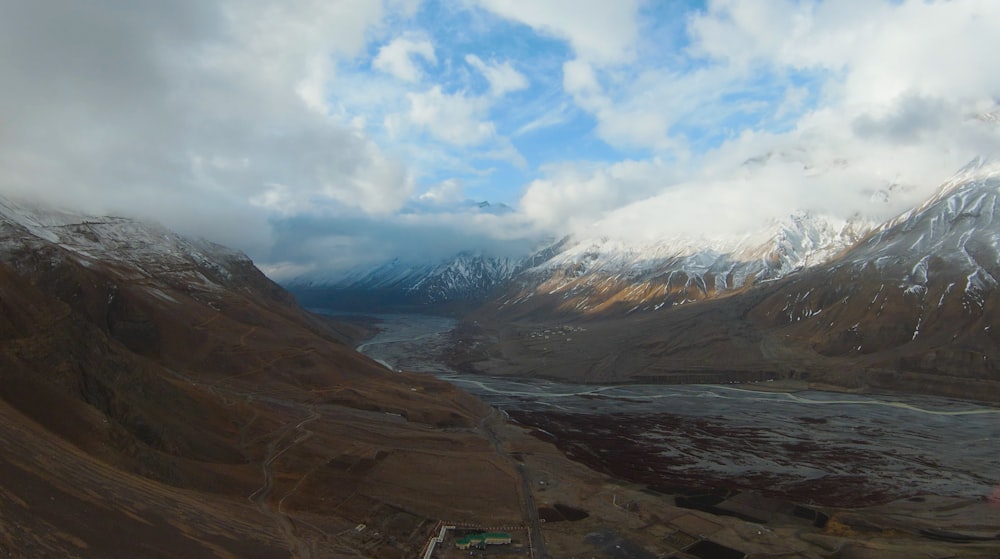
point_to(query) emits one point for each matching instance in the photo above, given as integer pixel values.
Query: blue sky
(536, 121)
(327, 134)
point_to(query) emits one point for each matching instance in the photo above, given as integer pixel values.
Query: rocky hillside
(593, 276)
(912, 306)
(467, 277)
(160, 397)
(601, 276)
(919, 294)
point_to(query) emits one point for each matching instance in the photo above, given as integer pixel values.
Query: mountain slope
(910, 307)
(608, 276)
(919, 294)
(467, 277)
(160, 397)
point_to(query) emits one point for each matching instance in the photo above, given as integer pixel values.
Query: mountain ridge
(909, 307)
(164, 388)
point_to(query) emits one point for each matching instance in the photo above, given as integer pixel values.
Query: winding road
(261, 497)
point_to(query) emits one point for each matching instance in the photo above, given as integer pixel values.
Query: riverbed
(811, 446)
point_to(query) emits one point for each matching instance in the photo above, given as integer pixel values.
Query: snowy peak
(963, 210)
(468, 276)
(136, 249)
(928, 277)
(978, 174)
(806, 239)
(950, 244)
(599, 275)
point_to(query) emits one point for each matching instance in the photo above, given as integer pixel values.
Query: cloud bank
(333, 133)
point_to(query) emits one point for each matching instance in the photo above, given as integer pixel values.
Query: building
(482, 540)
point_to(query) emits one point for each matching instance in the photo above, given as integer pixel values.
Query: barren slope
(161, 398)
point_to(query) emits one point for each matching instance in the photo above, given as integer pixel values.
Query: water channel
(839, 448)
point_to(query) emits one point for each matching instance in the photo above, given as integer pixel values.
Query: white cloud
(599, 31)
(580, 80)
(552, 116)
(189, 112)
(451, 117)
(739, 49)
(396, 58)
(503, 78)
(573, 196)
(448, 191)
(896, 49)
(218, 116)
(863, 102)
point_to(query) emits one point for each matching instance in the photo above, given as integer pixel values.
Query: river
(810, 445)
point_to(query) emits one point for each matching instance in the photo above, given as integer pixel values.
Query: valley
(842, 409)
(411, 279)
(852, 449)
(756, 452)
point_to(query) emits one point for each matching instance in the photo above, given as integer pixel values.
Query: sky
(322, 135)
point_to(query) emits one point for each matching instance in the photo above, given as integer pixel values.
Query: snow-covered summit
(137, 247)
(593, 274)
(955, 235)
(468, 275)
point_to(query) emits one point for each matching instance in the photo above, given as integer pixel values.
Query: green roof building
(481, 540)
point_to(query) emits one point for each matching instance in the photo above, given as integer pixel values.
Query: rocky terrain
(161, 398)
(731, 471)
(398, 284)
(910, 307)
(607, 276)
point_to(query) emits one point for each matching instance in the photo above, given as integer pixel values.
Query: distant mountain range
(605, 275)
(468, 276)
(592, 275)
(913, 299)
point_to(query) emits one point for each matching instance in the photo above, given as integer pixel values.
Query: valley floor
(639, 501)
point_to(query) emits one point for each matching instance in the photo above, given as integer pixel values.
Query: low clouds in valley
(321, 135)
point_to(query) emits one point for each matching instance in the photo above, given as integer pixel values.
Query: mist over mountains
(686, 266)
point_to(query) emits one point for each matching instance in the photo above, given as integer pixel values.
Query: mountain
(607, 276)
(160, 397)
(910, 306)
(919, 294)
(592, 276)
(466, 277)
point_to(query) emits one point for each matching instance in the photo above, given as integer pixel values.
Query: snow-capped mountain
(468, 276)
(598, 275)
(134, 248)
(929, 275)
(911, 305)
(959, 225)
(952, 233)
(594, 275)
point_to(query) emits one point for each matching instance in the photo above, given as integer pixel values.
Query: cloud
(448, 191)
(396, 57)
(830, 108)
(451, 117)
(572, 196)
(431, 233)
(898, 48)
(310, 134)
(910, 120)
(202, 115)
(503, 78)
(599, 31)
